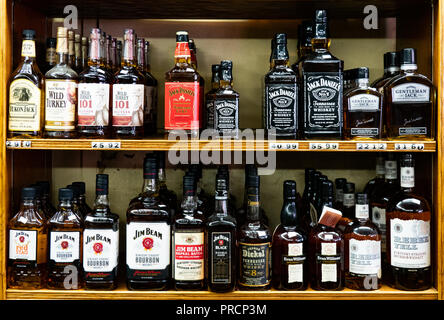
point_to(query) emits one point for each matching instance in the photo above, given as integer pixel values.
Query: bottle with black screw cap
(65, 233)
(305, 33)
(339, 193)
(410, 102)
(27, 245)
(391, 69)
(348, 211)
(84, 207)
(210, 96)
(101, 241)
(50, 53)
(168, 196)
(46, 198)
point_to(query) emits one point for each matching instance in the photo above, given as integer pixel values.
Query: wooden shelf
(385, 293)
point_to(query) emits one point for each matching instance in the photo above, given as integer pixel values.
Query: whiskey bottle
(148, 235)
(306, 197)
(71, 50)
(254, 244)
(47, 206)
(281, 93)
(84, 52)
(93, 112)
(379, 180)
(210, 96)
(410, 102)
(221, 242)
(349, 209)
(113, 56)
(182, 91)
(362, 109)
(78, 65)
(391, 69)
(119, 52)
(339, 193)
(147, 56)
(108, 60)
(61, 93)
(65, 230)
(27, 245)
(101, 241)
(189, 241)
(168, 196)
(408, 234)
(51, 56)
(305, 34)
(128, 94)
(80, 185)
(25, 114)
(322, 85)
(362, 250)
(289, 245)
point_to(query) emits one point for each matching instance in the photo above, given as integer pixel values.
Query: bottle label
(189, 261)
(365, 257)
(24, 106)
(93, 104)
(362, 211)
(294, 262)
(349, 200)
(221, 257)
(323, 100)
(182, 105)
(407, 177)
(391, 170)
(23, 245)
(51, 56)
(329, 272)
(150, 109)
(100, 250)
(28, 48)
(378, 218)
(411, 92)
(410, 243)
(364, 131)
(226, 115)
(339, 195)
(182, 50)
(64, 246)
(210, 113)
(367, 102)
(128, 105)
(281, 107)
(328, 248)
(413, 131)
(255, 264)
(329, 260)
(148, 250)
(60, 107)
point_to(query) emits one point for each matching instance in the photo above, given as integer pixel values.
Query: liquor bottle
(241, 212)
(119, 52)
(61, 93)
(128, 94)
(169, 196)
(362, 109)
(305, 34)
(362, 250)
(339, 193)
(391, 69)
(408, 234)
(210, 96)
(281, 93)
(312, 213)
(150, 116)
(47, 205)
(318, 203)
(289, 245)
(148, 235)
(82, 197)
(51, 56)
(84, 52)
(306, 197)
(101, 241)
(182, 89)
(38, 200)
(27, 245)
(113, 55)
(147, 56)
(25, 116)
(410, 102)
(65, 230)
(71, 50)
(189, 241)
(108, 60)
(348, 210)
(78, 65)
(326, 253)
(93, 112)
(255, 241)
(221, 242)
(204, 202)
(379, 180)
(322, 85)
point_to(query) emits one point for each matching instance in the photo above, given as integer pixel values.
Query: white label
(188, 256)
(409, 146)
(378, 218)
(323, 146)
(28, 48)
(93, 109)
(364, 102)
(365, 257)
(64, 246)
(391, 170)
(23, 245)
(407, 177)
(410, 243)
(361, 211)
(295, 273)
(148, 245)
(329, 272)
(128, 104)
(328, 249)
(100, 250)
(283, 146)
(105, 145)
(411, 92)
(295, 249)
(371, 146)
(25, 106)
(60, 105)
(349, 200)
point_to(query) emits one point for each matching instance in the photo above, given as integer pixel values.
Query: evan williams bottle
(94, 93)
(128, 94)
(182, 91)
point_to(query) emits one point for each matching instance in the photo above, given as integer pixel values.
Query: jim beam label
(182, 105)
(189, 264)
(23, 245)
(226, 115)
(28, 48)
(281, 108)
(60, 106)
(64, 246)
(378, 218)
(24, 106)
(221, 264)
(410, 243)
(151, 103)
(128, 105)
(323, 101)
(255, 264)
(148, 250)
(365, 257)
(294, 262)
(329, 259)
(93, 107)
(100, 250)
(410, 92)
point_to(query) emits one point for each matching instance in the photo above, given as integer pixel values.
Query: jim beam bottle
(93, 112)
(322, 85)
(61, 93)
(210, 96)
(182, 91)
(26, 99)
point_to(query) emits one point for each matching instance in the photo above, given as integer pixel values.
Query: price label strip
(371, 146)
(105, 145)
(16, 144)
(409, 146)
(323, 146)
(283, 146)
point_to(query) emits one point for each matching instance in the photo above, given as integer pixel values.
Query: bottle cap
(81, 186)
(289, 189)
(407, 160)
(361, 198)
(38, 190)
(407, 56)
(51, 42)
(160, 159)
(150, 167)
(189, 185)
(320, 25)
(71, 34)
(327, 188)
(340, 183)
(192, 45)
(225, 71)
(305, 32)
(75, 190)
(280, 38)
(215, 68)
(45, 186)
(84, 41)
(349, 187)
(62, 32)
(65, 194)
(197, 170)
(361, 73)
(250, 170)
(391, 59)
(28, 34)
(181, 36)
(28, 193)
(95, 34)
(102, 184)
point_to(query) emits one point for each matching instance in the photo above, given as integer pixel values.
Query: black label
(210, 113)
(255, 264)
(141, 275)
(364, 131)
(412, 131)
(101, 276)
(293, 259)
(226, 115)
(281, 107)
(221, 257)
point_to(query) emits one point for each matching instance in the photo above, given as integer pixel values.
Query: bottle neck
(128, 54)
(189, 203)
(62, 50)
(320, 45)
(28, 51)
(141, 57)
(407, 181)
(253, 205)
(409, 68)
(150, 185)
(65, 203)
(289, 216)
(391, 71)
(221, 202)
(362, 83)
(101, 203)
(225, 84)
(182, 54)
(95, 49)
(27, 203)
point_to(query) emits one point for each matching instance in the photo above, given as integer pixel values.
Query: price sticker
(105, 145)
(371, 146)
(323, 146)
(409, 146)
(283, 146)
(15, 144)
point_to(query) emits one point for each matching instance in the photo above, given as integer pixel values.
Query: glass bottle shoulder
(62, 72)
(256, 230)
(281, 74)
(322, 62)
(65, 217)
(289, 234)
(182, 73)
(150, 80)
(226, 93)
(216, 220)
(148, 205)
(129, 75)
(362, 228)
(384, 192)
(322, 233)
(362, 90)
(29, 218)
(408, 202)
(187, 218)
(408, 77)
(94, 74)
(28, 71)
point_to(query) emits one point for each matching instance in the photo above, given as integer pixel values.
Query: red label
(182, 50)
(184, 252)
(182, 109)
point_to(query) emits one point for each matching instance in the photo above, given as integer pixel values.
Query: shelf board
(385, 293)
(160, 143)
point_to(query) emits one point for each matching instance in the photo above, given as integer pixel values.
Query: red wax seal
(98, 247)
(148, 243)
(64, 244)
(22, 239)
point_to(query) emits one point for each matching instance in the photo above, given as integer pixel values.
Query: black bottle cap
(250, 170)
(327, 188)
(308, 174)
(340, 183)
(51, 42)
(280, 38)
(189, 185)
(391, 59)
(320, 28)
(279, 51)
(221, 183)
(253, 181)
(192, 45)
(407, 160)
(361, 73)
(181, 36)
(225, 71)
(28, 34)
(196, 169)
(102, 184)
(305, 33)
(81, 186)
(38, 190)
(28, 193)
(407, 56)
(349, 187)
(160, 159)
(289, 189)
(361, 198)
(65, 194)
(150, 167)
(75, 190)
(45, 186)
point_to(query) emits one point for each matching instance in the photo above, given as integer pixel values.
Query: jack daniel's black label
(323, 101)
(226, 115)
(281, 108)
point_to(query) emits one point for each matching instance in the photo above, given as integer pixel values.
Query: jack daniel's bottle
(322, 85)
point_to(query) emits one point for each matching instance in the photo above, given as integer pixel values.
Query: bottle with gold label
(25, 118)
(61, 93)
